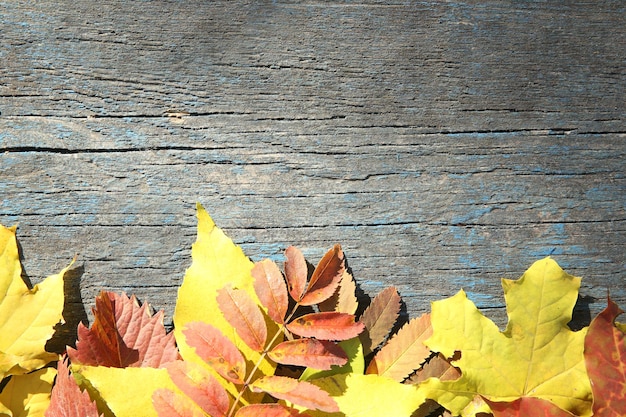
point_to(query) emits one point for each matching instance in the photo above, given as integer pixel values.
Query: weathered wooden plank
(445, 145)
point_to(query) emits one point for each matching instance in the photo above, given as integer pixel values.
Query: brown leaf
(312, 353)
(271, 289)
(404, 352)
(66, 399)
(344, 299)
(327, 325)
(216, 350)
(123, 334)
(296, 272)
(301, 393)
(244, 315)
(379, 318)
(200, 387)
(325, 278)
(438, 367)
(268, 410)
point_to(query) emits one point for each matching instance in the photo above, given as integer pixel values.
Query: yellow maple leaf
(27, 395)
(27, 316)
(536, 356)
(216, 262)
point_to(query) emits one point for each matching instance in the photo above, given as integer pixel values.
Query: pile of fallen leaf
(252, 340)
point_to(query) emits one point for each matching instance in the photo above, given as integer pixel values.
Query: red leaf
(296, 272)
(605, 358)
(67, 400)
(527, 407)
(327, 325)
(312, 353)
(171, 404)
(301, 393)
(325, 278)
(244, 315)
(200, 387)
(123, 334)
(268, 410)
(271, 289)
(216, 350)
(379, 318)
(404, 352)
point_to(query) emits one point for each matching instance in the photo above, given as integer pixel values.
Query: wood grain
(444, 145)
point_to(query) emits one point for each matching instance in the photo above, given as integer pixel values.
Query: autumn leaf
(216, 350)
(201, 388)
(344, 299)
(404, 352)
(123, 334)
(527, 407)
(27, 395)
(605, 358)
(372, 395)
(296, 272)
(268, 410)
(327, 325)
(536, 356)
(307, 352)
(67, 399)
(436, 367)
(27, 316)
(379, 318)
(355, 364)
(168, 403)
(216, 262)
(123, 391)
(271, 289)
(325, 278)
(244, 315)
(301, 393)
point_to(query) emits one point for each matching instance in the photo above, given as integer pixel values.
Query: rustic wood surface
(444, 144)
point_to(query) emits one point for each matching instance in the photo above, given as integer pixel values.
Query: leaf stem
(281, 330)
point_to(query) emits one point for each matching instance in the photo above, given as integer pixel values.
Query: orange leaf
(325, 278)
(527, 407)
(605, 358)
(379, 318)
(268, 410)
(244, 315)
(271, 289)
(312, 353)
(200, 387)
(328, 325)
(301, 393)
(405, 352)
(66, 399)
(344, 299)
(296, 272)
(216, 350)
(123, 334)
(171, 404)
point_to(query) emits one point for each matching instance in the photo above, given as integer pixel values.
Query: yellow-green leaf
(27, 395)
(27, 316)
(124, 391)
(536, 356)
(216, 262)
(373, 395)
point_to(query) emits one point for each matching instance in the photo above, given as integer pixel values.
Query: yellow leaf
(27, 395)
(373, 395)
(126, 392)
(216, 262)
(27, 317)
(536, 356)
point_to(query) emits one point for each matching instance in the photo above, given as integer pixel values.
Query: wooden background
(444, 144)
